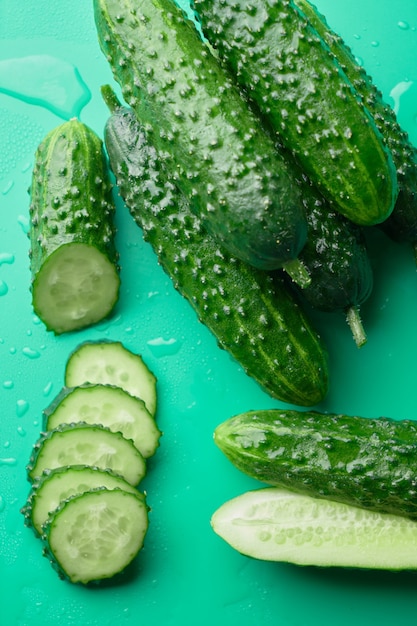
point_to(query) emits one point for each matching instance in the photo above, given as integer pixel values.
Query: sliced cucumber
(86, 444)
(62, 483)
(95, 535)
(107, 405)
(277, 525)
(110, 363)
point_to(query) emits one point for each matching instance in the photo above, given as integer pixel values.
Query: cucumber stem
(355, 323)
(111, 100)
(297, 272)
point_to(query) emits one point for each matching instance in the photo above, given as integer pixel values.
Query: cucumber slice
(110, 363)
(95, 535)
(107, 405)
(62, 483)
(86, 444)
(277, 525)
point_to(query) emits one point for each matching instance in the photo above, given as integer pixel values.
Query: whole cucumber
(402, 223)
(293, 79)
(211, 143)
(370, 463)
(253, 317)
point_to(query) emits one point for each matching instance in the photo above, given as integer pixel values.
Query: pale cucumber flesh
(276, 525)
(110, 363)
(76, 287)
(95, 535)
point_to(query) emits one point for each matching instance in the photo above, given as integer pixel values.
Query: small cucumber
(109, 406)
(75, 279)
(277, 525)
(256, 319)
(401, 225)
(61, 483)
(369, 463)
(337, 260)
(211, 143)
(96, 535)
(111, 363)
(289, 73)
(86, 444)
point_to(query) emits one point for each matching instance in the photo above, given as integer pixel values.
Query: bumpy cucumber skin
(287, 70)
(370, 463)
(70, 200)
(71, 194)
(210, 141)
(254, 318)
(401, 225)
(337, 259)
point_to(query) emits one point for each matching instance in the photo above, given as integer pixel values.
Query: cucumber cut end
(96, 535)
(76, 287)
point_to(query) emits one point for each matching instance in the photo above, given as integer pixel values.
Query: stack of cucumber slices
(86, 466)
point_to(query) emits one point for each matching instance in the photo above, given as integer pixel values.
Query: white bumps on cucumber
(110, 362)
(96, 534)
(277, 525)
(107, 405)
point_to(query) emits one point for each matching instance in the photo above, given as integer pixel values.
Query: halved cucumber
(277, 525)
(95, 535)
(107, 405)
(111, 363)
(86, 444)
(61, 483)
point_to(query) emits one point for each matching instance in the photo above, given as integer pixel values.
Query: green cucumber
(96, 535)
(86, 444)
(61, 483)
(109, 406)
(211, 143)
(289, 73)
(111, 363)
(369, 463)
(75, 278)
(401, 225)
(276, 525)
(337, 260)
(256, 319)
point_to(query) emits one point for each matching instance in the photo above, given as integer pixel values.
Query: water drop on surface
(403, 25)
(31, 353)
(22, 407)
(6, 257)
(2, 504)
(8, 384)
(8, 460)
(23, 221)
(164, 347)
(9, 186)
(3, 288)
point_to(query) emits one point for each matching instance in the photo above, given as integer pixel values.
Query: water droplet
(31, 353)
(403, 25)
(23, 221)
(8, 461)
(22, 407)
(21, 431)
(2, 504)
(8, 384)
(45, 81)
(6, 257)
(164, 347)
(3, 288)
(47, 389)
(375, 44)
(9, 186)
(398, 92)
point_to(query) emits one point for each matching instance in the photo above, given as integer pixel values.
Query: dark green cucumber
(337, 260)
(75, 279)
(288, 72)
(96, 535)
(369, 463)
(256, 320)
(402, 223)
(207, 136)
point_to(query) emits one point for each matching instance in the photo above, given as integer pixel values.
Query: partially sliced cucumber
(95, 535)
(111, 363)
(86, 444)
(277, 525)
(62, 483)
(107, 405)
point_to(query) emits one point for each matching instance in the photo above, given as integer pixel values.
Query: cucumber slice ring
(96, 535)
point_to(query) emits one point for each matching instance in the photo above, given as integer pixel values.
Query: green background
(185, 574)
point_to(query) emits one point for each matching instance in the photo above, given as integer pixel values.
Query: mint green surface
(51, 68)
